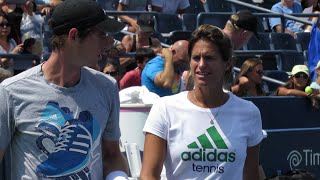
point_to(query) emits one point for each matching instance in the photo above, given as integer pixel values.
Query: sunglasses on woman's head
(3, 24)
(301, 75)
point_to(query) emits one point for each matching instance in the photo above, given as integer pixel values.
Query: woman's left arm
(251, 166)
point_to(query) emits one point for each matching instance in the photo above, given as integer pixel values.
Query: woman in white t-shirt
(204, 133)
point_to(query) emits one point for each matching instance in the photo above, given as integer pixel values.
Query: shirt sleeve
(256, 134)
(112, 129)
(157, 121)
(155, 67)
(125, 80)
(6, 119)
(275, 21)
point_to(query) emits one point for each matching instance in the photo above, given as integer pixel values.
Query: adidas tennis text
(211, 156)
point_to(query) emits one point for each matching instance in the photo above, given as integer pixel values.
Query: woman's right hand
(17, 49)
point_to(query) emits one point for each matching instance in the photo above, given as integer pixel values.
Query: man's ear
(73, 33)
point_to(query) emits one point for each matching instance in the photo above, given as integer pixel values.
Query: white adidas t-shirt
(197, 149)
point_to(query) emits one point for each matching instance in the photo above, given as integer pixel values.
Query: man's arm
(131, 21)
(113, 160)
(251, 166)
(127, 42)
(154, 157)
(278, 28)
(165, 78)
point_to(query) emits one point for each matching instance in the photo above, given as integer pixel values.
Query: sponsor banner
(288, 150)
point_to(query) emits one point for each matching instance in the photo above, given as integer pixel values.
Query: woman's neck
(209, 98)
(4, 43)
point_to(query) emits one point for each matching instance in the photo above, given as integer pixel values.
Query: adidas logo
(211, 154)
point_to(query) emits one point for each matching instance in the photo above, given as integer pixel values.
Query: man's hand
(167, 54)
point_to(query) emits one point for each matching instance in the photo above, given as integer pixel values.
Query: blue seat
(269, 61)
(290, 59)
(283, 41)
(189, 21)
(165, 23)
(218, 19)
(259, 44)
(195, 7)
(278, 75)
(303, 40)
(219, 6)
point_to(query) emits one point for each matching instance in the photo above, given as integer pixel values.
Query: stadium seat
(240, 59)
(179, 35)
(306, 54)
(236, 7)
(219, 6)
(263, 21)
(263, 43)
(218, 19)
(278, 75)
(283, 41)
(290, 59)
(189, 21)
(269, 61)
(303, 40)
(195, 7)
(165, 23)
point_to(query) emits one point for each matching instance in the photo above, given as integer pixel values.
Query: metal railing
(281, 15)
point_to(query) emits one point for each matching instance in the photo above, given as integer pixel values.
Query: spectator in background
(313, 3)
(288, 7)
(112, 68)
(162, 75)
(249, 79)
(297, 83)
(31, 27)
(170, 6)
(315, 9)
(316, 84)
(141, 39)
(241, 27)
(7, 43)
(131, 5)
(133, 77)
(14, 16)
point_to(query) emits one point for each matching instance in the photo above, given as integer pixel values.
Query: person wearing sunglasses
(249, 79)
(7, 43)
(297, 83)
(112, 68)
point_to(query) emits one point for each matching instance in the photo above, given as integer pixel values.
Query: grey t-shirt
(52, 132)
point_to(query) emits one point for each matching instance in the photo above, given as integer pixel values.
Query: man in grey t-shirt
(60, 120)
